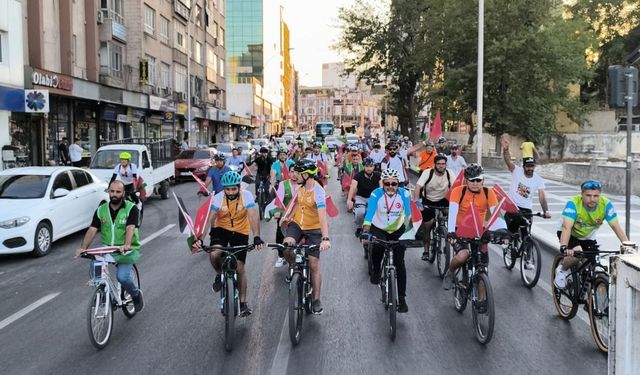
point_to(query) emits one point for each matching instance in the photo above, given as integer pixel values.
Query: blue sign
(11, 99)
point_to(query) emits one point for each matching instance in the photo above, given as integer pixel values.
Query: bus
(323, 129)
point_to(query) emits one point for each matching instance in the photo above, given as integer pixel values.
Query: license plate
(185, 173)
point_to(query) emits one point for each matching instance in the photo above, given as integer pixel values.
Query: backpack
(431, 172)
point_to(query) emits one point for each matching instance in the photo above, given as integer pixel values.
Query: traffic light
(618, 85)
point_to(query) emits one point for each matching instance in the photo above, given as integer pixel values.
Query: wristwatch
(325, 238)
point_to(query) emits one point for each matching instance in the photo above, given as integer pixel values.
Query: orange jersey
(480, 200)
(233, 215)
(427, 161)
(306, 207)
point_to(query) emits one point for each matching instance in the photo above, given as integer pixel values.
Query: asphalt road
(181, 329)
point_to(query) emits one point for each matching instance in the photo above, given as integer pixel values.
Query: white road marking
(281, 359)
(27, 309)
(156, 234)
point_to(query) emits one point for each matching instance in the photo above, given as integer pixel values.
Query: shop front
(161, 118)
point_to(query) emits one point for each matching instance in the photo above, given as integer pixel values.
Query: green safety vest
(113, 234)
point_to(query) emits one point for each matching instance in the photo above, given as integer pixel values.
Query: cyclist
(279, 168)
(581, 218)
(287, 190)
(387, 209)
(441, 147)
(462, 197)
(215, 174)
(308, 220)
(362, 185)
(426, 156)
(395, 161)
(455, 161)
(524, 184)
(432, 187)
(377, 155)
(127, 172)
(316, 155)
(236, 160)
(117, 220)
(264, 163)
(233, 214)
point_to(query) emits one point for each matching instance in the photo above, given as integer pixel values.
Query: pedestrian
(185, 143)
(529, 150)
(63, 151)
(75, 153)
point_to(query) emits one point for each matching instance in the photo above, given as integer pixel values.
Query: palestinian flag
(509, 205)
(141, 186)
(412, 223)
(459, 181)
(471, 224)
(282, 197)
(284, 170)
(495, 220)
(184, 221)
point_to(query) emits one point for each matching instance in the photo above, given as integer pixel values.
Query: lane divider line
(156, 234)
(280, 362)
(27, 309)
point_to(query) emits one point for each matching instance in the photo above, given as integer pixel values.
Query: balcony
(113, 28)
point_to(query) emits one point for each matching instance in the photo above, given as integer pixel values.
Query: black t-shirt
(131, 220)
(264, 165)
(365, 184)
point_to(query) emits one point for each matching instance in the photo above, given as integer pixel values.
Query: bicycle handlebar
(91, 253)
(227, 249)
(294, 247)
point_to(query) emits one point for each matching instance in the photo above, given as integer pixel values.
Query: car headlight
(203, 168)
(14, 222)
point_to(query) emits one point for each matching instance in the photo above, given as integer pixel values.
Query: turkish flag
(436, 128)
(201, 217)
(457, 182)
(508, 205)
(332, 210)
(471, 224)
(346, 181)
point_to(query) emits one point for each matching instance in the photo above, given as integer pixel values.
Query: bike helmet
(473, 171)
(316, 144)
(219, 157)
(441, 139)
(429, 144)
(283, 151)
(368, 161)
(390, 174)
(125, 156)
(230, 178)
(306, 166)
(264, 150)
(439, 157)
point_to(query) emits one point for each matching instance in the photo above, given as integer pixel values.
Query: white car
(39, 205)
(333, 143)
(352, 139)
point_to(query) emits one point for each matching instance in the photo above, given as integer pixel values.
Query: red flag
(332, 210)
(201, 217)
(346, 181)
(471, 224)
(436, 128)
(284, 170)
(247, 170)
(458, 182)
(339, 157)
(509, 205)
(495, 215)
(322, 169)
(203, 187)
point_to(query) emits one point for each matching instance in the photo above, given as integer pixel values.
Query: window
(164, 30)
(165, 75)
(180, 78)
(149, 19)
(151, 61)
(81, 178)
(115, 11)
(74, 48)
(197, 52)
(115, 52)
(62, 182)
(3, 47)
(221, 67)
(181, 37)
(221, 37)
(198, 16)
(145, 160)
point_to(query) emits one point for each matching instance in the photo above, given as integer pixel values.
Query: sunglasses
(394, 184)
(475, 180)
(591, 185)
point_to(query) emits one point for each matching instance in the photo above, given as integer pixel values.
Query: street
(181, 329)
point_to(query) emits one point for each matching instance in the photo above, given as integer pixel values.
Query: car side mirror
(60, 192)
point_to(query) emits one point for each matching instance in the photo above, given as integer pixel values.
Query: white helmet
(390, 173)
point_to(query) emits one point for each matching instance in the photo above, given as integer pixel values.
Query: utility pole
(480, 93)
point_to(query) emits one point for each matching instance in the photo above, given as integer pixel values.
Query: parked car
(333, 143)
(196, 160)
(352, 139)
(39, 205)
(224, 149)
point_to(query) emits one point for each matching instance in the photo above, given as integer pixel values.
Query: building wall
(51, 36)
(273, 59)
(332, 75)
(241, 99)
(79, 40)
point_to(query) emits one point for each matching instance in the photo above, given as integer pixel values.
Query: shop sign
(157, 103)
(52, 80)
(144, 71)
(36, 101)
(223, 115)
(169, 117)
(122, 118)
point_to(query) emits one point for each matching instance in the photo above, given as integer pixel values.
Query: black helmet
(439, 157)
(368, 161)
(472, 171)
(316, 144)
(219, 157)
(264, 150)
(306, 166)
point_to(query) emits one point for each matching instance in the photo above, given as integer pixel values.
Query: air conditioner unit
(195, 100)
(183, 96)
(100, 17)
(216, 103)
(177, 96)
(157, 90)
(168, 90)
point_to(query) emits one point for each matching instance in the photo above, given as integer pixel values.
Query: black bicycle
(262, 195)
(388, 281)
(522, 245)
(300, 288)
(588, 284)
(229, 293)
(439, 248)
(356, 206)
(471, 282)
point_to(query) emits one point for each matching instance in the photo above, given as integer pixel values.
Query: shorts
(429, 214)
(515, 221)
(484, 251)
(312, 237)
(223, 237)
(584, 244)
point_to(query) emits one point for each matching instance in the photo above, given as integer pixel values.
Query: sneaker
(425, 255)
(375, 277)
(560, 280)
(244, 309)
(316, 307)
(217, 284)
(138, 302)
(279, 262)
(358, 232)
(402, 305)
(447, 281)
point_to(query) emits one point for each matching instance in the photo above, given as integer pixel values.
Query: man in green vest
(117, 221)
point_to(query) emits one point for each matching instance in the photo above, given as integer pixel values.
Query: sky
(313, 27)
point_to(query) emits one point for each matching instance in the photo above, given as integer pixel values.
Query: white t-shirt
(396, 163)
(75, 152)
(455, 166)
(523, 188)
(377, 156)
(125, 174)
(438, 186)
(320, 157)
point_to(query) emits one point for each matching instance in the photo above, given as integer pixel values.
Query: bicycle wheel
(392, 285)
(261, 201)
(229, 314)
(565, 300)
(508, 256)
(530, 263)
(296, 303)
(443, 255)
(128, 308)
(433, 245)
(100, 318)
(483, 311)
(599, 312)
(460, 289)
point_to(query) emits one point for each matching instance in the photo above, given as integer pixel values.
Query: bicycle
(355, 207)
(300, 288)
(469, 280)
(388, 281)
(588, 284)
(107, 296)
(261, 195)
(439, 247)
(229, 291)
(525, 248)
